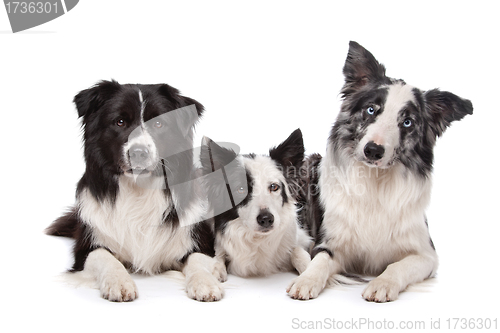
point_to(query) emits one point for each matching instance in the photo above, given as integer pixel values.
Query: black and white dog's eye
(370, 110)
(241, 190)
(120, 122)
(158, 124)
(407, 123)
(274, 187)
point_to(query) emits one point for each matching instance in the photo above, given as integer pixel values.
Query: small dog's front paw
(220, 272)
(204, 288)
(381, 290)
(119, 289)
(304, 288)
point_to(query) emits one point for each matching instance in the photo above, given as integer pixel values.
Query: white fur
(112, 278)
(374, 219)
(132, 228)
(141, 136)
(254, 253)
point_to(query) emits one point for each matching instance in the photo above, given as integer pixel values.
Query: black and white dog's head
(134, 130)
(384, 121)
(253, 189)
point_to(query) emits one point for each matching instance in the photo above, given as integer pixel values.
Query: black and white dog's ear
(443, 107)
(173, 95)
(361, 68)
(213, 156)
(290, 153)
(90, 100)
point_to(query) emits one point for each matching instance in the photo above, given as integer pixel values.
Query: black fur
(289, 156)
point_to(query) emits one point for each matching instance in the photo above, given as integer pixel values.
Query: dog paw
(204, 288)
(381, 290)
(220, 272)
(304, 288)
(119, 289)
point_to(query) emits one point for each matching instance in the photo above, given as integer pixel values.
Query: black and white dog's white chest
(134, 229)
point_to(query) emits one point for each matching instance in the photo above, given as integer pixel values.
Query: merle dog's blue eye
(370, 110)
(407, 123)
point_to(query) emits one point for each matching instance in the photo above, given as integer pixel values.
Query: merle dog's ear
(179, 101)
(213, 156)
(90, 100)
(443, 107)
(290, 153)
(361, 68)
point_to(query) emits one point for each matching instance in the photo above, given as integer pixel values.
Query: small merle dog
(138, 205)
(257, 232)
(375, 182)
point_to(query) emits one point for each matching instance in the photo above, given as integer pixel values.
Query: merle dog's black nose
(265, 219)
(138, 153)
(373, 151)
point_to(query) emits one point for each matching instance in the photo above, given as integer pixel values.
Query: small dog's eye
(241, 190)
(158, 124)
(274, 187)
(120, 122)
(407, 123)
(370, 110)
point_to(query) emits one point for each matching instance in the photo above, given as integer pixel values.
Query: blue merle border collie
(257, 232)
(375, 182)
(137, 207)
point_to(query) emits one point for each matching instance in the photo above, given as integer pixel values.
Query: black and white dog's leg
(300, 259)
(201, 283)
(114, 282)
(399, 275)
(313, 280)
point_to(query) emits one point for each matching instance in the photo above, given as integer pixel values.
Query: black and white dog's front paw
(204, 288)
(118, 288)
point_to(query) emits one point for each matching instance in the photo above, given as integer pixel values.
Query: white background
(262, 69)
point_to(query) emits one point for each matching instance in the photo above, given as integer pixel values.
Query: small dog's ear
(90, 100)
(361, 68)
(213, 156)
(290, 153)
(443, 107)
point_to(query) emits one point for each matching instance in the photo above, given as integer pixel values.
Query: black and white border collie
(138, 205)
(375, 182)
(257, 232)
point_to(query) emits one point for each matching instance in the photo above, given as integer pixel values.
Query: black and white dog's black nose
(265, 219)
(138, 154)
(373, 151)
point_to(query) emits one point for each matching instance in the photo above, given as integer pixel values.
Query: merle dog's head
(384, 121)
(136, 129)
(254, 189)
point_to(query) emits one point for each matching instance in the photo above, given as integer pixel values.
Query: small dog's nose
(138, 153)
(373, 151)
(265, 219)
